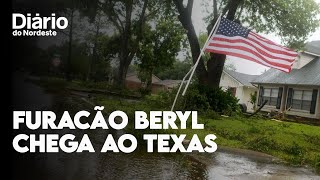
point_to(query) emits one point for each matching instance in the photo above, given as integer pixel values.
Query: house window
(301, 99)
(271, 94)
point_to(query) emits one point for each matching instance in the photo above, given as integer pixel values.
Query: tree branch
(189, 7)
(152, 13)
(185, 19)
(119, 21)
(231, 7)
(116, 24)
(226, 8)
(113, 16)
(220, 5)
(183, 15)
(215, 8)
(240, 12)
(140, 30)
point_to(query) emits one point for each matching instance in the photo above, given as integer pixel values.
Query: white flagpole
(182, 82)
(213, 31)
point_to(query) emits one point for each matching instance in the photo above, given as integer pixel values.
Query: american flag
(234, 40)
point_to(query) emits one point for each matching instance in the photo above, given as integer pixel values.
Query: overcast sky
(242, 66)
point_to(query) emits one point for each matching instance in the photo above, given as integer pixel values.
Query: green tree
(292, 20)
(71, 9)
(128, 17)
(159, 47)
(79, 58)
(202, 39)
(105, 50)
(68, 9)
(101, 48)
(176, 72)
(253, 99)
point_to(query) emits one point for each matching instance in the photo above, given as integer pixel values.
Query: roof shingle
(244, 79)
(307, 75)
(313, 47)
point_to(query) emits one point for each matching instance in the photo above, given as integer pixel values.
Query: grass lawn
(296, 144)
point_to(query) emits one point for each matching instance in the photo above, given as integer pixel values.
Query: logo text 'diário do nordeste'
(35, 25)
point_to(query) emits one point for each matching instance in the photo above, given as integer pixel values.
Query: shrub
(199, 98)
(196, 100)
(210, 114)
(144, 91)
(95, 85)
(253, 99)
(203, 98)
(51, 84)
(160, 100)
(295, 149)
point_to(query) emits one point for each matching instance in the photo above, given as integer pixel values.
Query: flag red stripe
(256, 44)
(268, 46)
(262, 56)
(251, 52)
(268, 41)
(241, 40)
(271, 45)
(282, 67)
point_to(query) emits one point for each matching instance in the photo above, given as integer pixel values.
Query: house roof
(307, 75)
(244, 79)
(170, 81)
(313, 47)
(132, 76)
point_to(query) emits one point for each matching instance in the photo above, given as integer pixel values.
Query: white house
(240, 86)
(297, 92)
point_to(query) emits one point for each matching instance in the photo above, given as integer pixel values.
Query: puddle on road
(141, 165)
(232, 166)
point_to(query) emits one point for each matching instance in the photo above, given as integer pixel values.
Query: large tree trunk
(195, 49)
(122, 73)
(210, 76)
(215, 67)
(125, 45)
(185, 19)
(149, 82)
(94, 57)
(216, 63)
(126, 54)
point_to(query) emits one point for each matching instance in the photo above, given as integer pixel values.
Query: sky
(242, 66)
